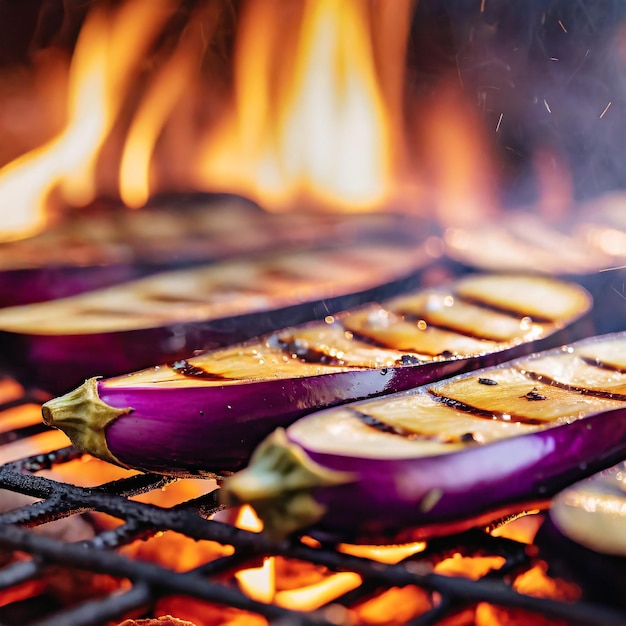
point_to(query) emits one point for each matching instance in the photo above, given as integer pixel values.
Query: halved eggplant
(56, 345)
(102, 246)
(593, 511)
(445, 456)
(205, 415)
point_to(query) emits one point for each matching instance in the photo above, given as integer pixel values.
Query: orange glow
(309, 120)
(102, 68)
(384, 554)
(318, 594)
(169, 86)
(457, 161)
(257, 583)
(311, 112)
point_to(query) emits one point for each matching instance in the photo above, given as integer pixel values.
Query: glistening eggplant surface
(592, 512)
(444, 456)
(56, 345)
(205, 414)
(102, 246)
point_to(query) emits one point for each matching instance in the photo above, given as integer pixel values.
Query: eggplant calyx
(279, 483)
(83, 416)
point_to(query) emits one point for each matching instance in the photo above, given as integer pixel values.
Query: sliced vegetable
(593, 512)
(205, 414)
(445, 456)
(100, 247)
(523, 241)
(57, 344)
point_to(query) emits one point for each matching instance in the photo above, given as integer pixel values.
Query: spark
(547, 106)
(611, 269)
(606, 108)
(562, 26)
(499, 122)
(619, 293)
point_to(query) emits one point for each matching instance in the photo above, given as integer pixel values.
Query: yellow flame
(258, 583)
(310, 119)
(166, 90)
(318, 594)
(102, 67)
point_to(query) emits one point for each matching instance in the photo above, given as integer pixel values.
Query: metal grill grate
(212, 581)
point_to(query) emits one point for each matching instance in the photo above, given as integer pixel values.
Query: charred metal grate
(211, 581)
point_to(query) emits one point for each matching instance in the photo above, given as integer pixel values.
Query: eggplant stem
(83, 416)
(279, 483)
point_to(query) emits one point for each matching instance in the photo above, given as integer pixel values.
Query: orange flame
(315, 115)
(102, 67)
(310, 118)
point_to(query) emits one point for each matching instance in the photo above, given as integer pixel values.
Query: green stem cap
(83, 416)
(278, 484)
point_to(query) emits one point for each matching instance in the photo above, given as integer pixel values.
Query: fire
(102, 68)
(315, 115)
(310, 117)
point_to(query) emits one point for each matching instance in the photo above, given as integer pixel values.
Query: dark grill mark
(307, 354)
(409, 359)
(184, 368)
(596, 393)
(385, 345)
(465, 332)
(379, 425)
(383, 427)
(483, 413)
(533, 395)
(601, 365)
(487, 381)
(490, 306)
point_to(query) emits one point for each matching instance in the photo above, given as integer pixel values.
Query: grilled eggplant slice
(99, 247)
(56, 345)
(448, 455)
(206, 414)
(593, 511)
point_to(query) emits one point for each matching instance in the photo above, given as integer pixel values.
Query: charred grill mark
(303, 351)
(498, 308)
(188, 370)
(408, 359)
(379, 425)
(602, 365)
(482, 413)
(415, 318)
(533, 395)
(281, 273)
(384, 427)
(487, 381)
(584, 391)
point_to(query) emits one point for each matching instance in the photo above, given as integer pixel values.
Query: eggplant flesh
(205, 414)
(445, 456)
(592, 512)
(56, 345)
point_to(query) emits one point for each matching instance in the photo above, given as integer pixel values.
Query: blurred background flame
(436, 107)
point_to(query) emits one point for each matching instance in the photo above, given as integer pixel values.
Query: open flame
(315, 114)
(318, 129)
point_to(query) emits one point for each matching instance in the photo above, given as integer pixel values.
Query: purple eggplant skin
(26, 286)
(205, 431)
(469, 487)
(228, 422)
(56, 363)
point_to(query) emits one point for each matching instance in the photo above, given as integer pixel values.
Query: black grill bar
(213, 580)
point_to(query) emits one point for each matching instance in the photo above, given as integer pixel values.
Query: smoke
(547, 77)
